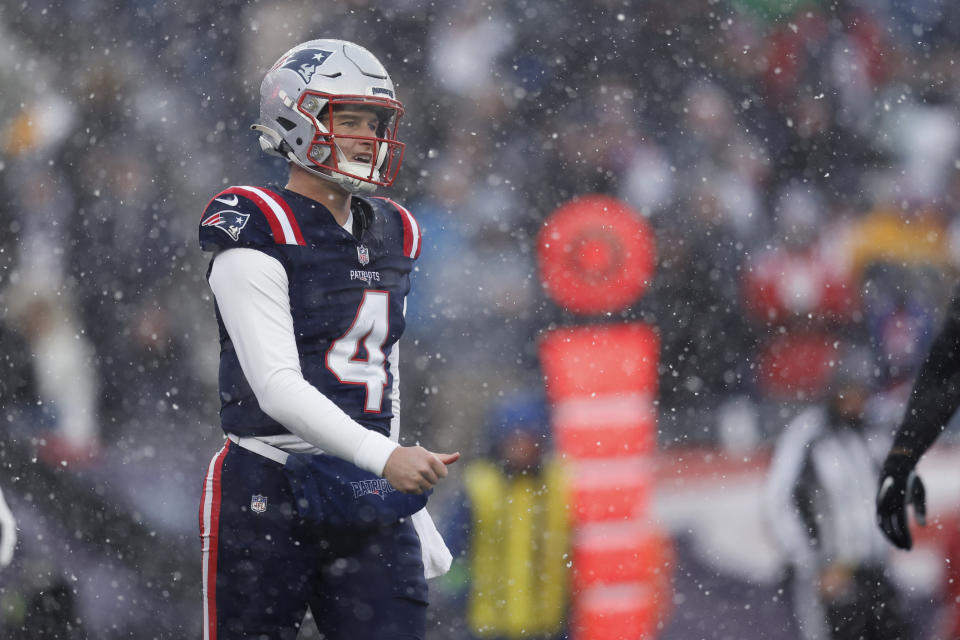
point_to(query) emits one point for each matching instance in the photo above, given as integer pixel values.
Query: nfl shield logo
(258, 503)
(363, 255)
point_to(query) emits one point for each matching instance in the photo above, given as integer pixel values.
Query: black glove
(899, 486)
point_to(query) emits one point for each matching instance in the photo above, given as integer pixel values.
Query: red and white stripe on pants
(209, 527)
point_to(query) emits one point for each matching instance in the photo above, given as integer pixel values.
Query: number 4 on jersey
(369, 328)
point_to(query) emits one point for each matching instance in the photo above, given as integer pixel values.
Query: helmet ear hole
(299, 141)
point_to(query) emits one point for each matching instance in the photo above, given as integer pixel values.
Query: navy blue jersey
(346, 296)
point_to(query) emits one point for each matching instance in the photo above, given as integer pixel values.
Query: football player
(933, 401)
(311, 500)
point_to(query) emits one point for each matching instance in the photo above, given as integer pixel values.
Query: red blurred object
(595, 361)
(786, 51)
(794, 364)
(617, 489)
(610, 553)
(620, 612)
(950, 622)
(596, 255)
(873, 45)
(58, 451)
(617, 425)
(786, 284)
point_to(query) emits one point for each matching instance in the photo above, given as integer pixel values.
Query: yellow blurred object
(519, 551)
(19, 136)
(885, 236)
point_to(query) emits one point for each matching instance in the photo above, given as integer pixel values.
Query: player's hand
(415, 470)
(900, 486)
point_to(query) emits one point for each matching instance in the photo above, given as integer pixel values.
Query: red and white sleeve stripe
(279, 216)
(411, 231)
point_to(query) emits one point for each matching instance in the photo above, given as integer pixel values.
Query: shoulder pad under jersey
(247, 216)
(411, 230)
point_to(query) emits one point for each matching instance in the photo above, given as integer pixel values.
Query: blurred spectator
(903, 263)
(648, 184)
(467, 41)
(716, 154)
(471, 232)
(801, 274)
(800, 293)
(698, 310)
(39, 303)
(901, 310)
(474, 230)
(510, 532)
(819, 506)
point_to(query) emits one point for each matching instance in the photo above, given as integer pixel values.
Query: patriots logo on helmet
(230, 222)
(306, 61)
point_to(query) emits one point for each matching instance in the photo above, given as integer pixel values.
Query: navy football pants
(263, 565)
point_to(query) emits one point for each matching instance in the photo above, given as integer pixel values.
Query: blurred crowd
(796, 161)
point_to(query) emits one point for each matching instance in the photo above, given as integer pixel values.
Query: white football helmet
(297, 101)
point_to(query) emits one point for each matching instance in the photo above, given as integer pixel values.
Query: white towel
(8, 534)
(436, 556)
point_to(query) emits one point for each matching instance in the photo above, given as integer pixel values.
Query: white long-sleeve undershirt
(252, 294)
